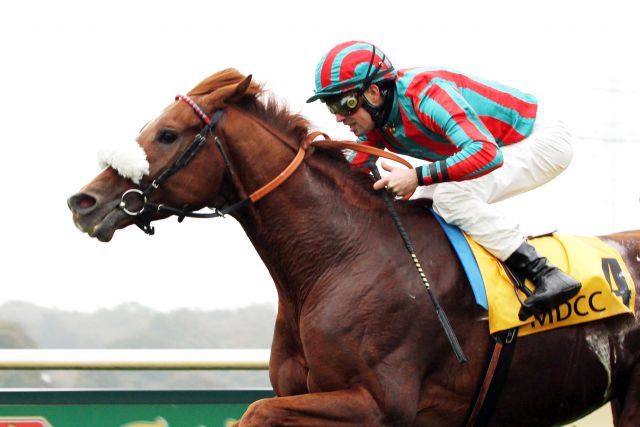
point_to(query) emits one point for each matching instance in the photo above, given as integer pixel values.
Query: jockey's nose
(82, 203)
(340, 118)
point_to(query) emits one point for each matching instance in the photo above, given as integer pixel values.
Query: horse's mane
(274, 113)
(271, 112)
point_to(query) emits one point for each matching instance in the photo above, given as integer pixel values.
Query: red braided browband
(195, 107)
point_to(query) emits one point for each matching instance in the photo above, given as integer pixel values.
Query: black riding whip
(455, 345)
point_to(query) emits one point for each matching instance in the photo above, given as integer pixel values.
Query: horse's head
(163, 167)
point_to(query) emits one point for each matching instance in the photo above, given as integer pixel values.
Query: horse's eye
(167, 137)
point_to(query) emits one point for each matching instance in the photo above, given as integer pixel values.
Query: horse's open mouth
(103, 229)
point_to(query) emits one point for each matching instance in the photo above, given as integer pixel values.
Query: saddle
(607, 287)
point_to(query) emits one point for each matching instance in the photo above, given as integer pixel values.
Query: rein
(143, 215)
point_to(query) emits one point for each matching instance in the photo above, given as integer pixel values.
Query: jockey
(483, 141)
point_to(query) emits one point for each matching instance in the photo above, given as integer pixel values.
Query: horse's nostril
(82, 203)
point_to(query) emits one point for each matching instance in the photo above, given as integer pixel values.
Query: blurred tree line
(133, 326)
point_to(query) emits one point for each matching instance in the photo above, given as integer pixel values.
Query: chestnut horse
(356, 340)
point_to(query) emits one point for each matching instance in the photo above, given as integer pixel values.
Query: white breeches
(527, 164)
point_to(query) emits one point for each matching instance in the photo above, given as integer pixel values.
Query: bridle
(143, 215)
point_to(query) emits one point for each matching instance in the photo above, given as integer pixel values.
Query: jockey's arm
(358, 159)
(445, 111)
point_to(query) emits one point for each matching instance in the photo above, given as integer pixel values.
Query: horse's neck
(314, 222)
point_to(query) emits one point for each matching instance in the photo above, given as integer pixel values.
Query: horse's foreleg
(353, 407)
(287, 373)
(288, 376)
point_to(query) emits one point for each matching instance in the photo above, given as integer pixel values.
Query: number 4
(611, 267)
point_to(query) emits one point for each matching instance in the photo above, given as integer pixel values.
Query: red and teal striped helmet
(351, 65)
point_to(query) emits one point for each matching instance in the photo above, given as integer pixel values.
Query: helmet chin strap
(379, 114)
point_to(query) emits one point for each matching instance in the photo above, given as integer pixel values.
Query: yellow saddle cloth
(607, 287)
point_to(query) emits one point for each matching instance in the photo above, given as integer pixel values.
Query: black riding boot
(553, 286)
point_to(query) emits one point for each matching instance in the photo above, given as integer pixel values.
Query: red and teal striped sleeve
(359, 159)
(444, 110)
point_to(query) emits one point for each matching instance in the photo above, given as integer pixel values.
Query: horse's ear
(231, 93)
(239, 90)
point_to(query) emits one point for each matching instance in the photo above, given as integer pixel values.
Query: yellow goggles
(346, 104)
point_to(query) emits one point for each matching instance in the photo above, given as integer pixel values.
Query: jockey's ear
(373, 95)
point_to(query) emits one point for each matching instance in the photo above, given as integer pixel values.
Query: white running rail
(161, 359)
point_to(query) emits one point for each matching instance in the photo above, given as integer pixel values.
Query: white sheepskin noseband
(129, 161)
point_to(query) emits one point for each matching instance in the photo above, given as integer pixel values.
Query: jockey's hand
(400, 182)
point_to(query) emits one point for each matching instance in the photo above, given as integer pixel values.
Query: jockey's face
(360, 122)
